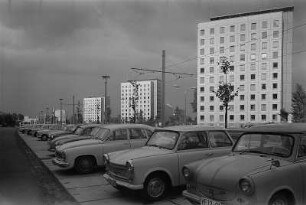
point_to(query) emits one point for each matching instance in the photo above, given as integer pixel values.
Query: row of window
(242, 97)
(243, 27)
(242, 37)
(263, 107)
(262, 117)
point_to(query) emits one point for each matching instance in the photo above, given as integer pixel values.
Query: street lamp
(61, 105)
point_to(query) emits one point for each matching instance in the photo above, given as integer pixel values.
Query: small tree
(225, 92)
(298, 104)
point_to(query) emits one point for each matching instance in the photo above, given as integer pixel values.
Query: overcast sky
(52, 49)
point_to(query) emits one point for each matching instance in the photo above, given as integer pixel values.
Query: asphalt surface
(23, 178)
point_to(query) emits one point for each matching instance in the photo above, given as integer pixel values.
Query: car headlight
(130, 170)
(246, 186)
(105, 160)
(186, 173)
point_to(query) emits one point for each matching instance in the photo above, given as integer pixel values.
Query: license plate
(206, 201)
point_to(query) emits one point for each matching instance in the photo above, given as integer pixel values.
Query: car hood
(226, 171)
(64, 137)
(80, 143)
(73, 139)
(121, 157)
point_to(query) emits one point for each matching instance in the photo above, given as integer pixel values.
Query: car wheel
(281, 199)
(85, 165)
(155, 187)
(44, 138)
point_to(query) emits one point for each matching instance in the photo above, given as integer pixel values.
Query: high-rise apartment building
(146, 94)
(93, 109)
(259, 47)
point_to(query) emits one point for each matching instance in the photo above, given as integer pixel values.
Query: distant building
(93, 109)
(147, 98)
(28, 120)
(57, 114)
(259, 47)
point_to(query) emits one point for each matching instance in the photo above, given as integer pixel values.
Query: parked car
(43, 134)
(266, 166)
(82, 132)
(155, 168)
(67, 130)
(85, 155)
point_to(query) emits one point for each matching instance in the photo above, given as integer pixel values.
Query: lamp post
(61, 105)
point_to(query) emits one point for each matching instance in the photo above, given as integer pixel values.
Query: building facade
(145, 95)
(259, 48)
(93, 109)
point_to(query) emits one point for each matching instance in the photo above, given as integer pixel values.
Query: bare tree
(299, 104)
(226, 91)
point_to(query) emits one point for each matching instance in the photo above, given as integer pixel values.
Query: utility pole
(61, 105)
(163, 88)
(73, 115)
(106, 104)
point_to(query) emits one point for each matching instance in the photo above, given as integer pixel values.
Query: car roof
(281, 127)
(187, 128)
(115, 126)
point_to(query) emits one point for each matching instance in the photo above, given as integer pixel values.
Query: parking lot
(91, 189)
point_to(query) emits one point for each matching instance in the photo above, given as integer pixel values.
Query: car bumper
(115, 182)
(60, 163)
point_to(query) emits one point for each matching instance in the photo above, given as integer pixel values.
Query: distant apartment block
(148, 100)
(93, 109)
(259, 47)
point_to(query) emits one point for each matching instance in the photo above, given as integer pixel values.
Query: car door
(117, 140)
(138, 137)
(220, 143)
(192, 146)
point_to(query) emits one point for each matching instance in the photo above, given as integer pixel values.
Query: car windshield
(163, 139)
(94, 131)
(101, 134)
(79, 131)
(263, 143)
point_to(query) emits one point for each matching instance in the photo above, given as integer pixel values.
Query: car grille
(211, 192)
(118, 171)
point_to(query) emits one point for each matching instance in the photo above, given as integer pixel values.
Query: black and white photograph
(162, 102)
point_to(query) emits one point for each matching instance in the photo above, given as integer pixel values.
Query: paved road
(23, 179)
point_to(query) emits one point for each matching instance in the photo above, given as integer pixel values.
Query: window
(242, 57)
(221, 39)
(275, 34)
(263, 107)
(242, 27)
(231, 107)
(275, 55)
(202, 32)
(202, 108)
(211, 108)
(201, 61)
(276, 23)
(221, 49)
(242, 37)
(274, 106)
(211, 50)
(263, 117)
(202, 42)
(253, 26)
(232, 58)
(221, 108)
(263, 96)
(264, 24)
(252, 97)
(202, 98)
(232, 38)
(241, 117)
(211, 98)
(242, 47)
(211, 60)
(193, 140)
(264, 45)
(212, 31)
(264, 35)
(253, 118)
(253, 66)
(222, 29)
(275, 65)
(253, 87)
(232, 78)
(264, 56)
(221, 118)
(242, 77)
(241, 87)
(219, 139)
(232, 28)
(253, 57)
(211, 41)
(211, 79)
(202, 80)
(231, 117)
(120, 134)
(274, 85)
(211, 88)
(253, 76)
(264, 76)
(202, 70)
(242, 66)
(202, 117)
(221, 78)
(202, 89)
(202, 51)
(274, 96)
(263, 86)
(211, 69)
(241, 107)
(275, 75)
(232, 48)
(275, 44)
(253, 46)
(253, 36)
(263, 66)
(136, 133)
(252, 107)
(241, 97)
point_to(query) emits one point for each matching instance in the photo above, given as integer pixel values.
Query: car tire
(281, 199)
(155, 187)
(85, 164)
